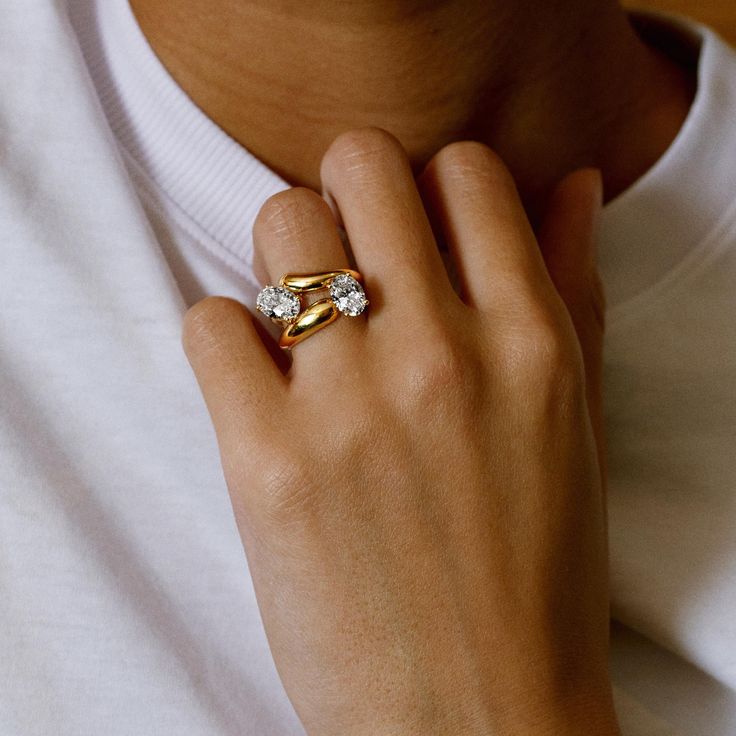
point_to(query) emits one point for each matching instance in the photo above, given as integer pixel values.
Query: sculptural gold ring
(283, 303)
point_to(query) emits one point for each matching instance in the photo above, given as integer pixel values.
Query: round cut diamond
(277, 302)
(348, 295)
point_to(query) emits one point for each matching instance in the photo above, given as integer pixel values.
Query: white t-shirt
(126, 607)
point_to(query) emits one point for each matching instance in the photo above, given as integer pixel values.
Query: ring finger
(295, 232)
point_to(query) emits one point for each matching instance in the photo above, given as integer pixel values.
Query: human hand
(420, 496)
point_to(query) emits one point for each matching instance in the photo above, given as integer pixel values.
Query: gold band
(310, 320)
(315, 281)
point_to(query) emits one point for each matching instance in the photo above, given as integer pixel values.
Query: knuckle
(203, 322)
(354, 431)
(541, 353)
(290, 213)
(437, 373)
(287, 493)
(358, 151)
(293, 483)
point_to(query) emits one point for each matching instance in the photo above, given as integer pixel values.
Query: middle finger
(367, 174)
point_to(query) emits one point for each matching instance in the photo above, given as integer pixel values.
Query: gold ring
(283, 303)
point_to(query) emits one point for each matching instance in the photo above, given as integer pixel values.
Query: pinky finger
(567, 238)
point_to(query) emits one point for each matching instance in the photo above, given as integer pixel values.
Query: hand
(420, 495)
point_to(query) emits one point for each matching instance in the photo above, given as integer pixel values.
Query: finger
(474, 201)
(567, 239)
(239, 380)
(367, 174)
(296, 232)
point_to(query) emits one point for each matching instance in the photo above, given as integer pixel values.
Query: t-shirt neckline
(673, 207)
(209, 176)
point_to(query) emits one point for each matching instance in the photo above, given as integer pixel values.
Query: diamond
(348, 295)
(278, 303)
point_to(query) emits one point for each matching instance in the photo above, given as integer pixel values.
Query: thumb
(568, 239)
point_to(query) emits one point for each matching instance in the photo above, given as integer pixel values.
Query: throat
(550, 90)
(286, 82)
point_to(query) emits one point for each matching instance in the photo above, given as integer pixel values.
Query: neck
(551, 86)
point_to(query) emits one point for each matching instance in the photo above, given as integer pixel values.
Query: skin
(551, 86)
(428, 547)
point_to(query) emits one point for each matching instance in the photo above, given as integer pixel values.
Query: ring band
(283, 303)
(314, 281)
(313, 318)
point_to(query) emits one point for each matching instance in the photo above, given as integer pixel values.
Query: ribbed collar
(209, 176)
